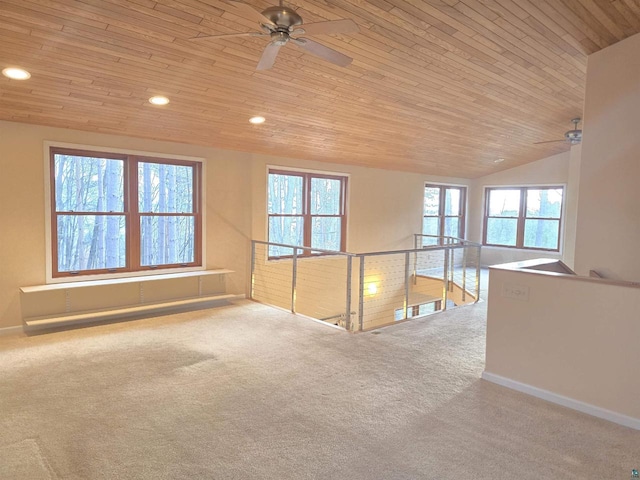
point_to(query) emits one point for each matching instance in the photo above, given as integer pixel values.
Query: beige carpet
(23, 460)
(249, 392)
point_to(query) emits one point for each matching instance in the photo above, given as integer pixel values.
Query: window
(444, 212)
(306, 209)
(115, 213)
(523, 217)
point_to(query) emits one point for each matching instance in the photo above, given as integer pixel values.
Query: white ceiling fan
(283, 25)
(572, 136)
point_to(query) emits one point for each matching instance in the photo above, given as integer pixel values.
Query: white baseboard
(11, 330)
(587, 408)
(19, 329)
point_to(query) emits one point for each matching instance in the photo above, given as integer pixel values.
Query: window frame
(522, 216)
(462, 218)
(131, 213)
(307, 216)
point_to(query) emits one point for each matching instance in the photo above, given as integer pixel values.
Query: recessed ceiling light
(498, 160)
(159, 100)
(257, 120)
(16, 73)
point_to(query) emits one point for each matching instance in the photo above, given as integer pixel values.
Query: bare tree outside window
(523, 217)
(165, 195)
(305, 209)
(443, 212)
(100, 228)
(89, 204)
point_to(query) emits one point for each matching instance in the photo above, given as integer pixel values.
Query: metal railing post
(253, 269)
(347, 321)
(294, 275)
(407, 274)
(452, 264)
(361, 303)
(478, 275)
(445, 279)
(415, 258)
(464, 272)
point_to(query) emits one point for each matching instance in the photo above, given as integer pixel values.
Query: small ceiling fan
(572, 136)
(282, 24)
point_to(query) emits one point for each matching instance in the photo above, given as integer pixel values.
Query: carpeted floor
(246, 391)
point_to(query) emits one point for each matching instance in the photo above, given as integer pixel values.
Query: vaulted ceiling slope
(436, 86)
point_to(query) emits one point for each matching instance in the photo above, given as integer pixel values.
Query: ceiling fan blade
(321, 51)
(248, 12)
(550, 141)
(268, 57)
(334, 26)
(230, 35)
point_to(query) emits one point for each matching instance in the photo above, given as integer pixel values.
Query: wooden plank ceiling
(436, 86)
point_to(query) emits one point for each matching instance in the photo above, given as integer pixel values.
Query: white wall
(554, 170)
(608, 225)
(571, 206)
(574, 337)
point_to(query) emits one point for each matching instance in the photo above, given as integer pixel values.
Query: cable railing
(460, 269)
(363, 291)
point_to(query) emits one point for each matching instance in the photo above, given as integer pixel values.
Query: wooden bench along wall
(62, 304)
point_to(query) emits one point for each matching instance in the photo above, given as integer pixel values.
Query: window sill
(517, 249)
(121, 280)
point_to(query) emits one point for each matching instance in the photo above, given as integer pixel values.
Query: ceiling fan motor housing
(283, 17)
(574, 136)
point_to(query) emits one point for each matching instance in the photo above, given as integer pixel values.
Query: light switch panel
(517, 292)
